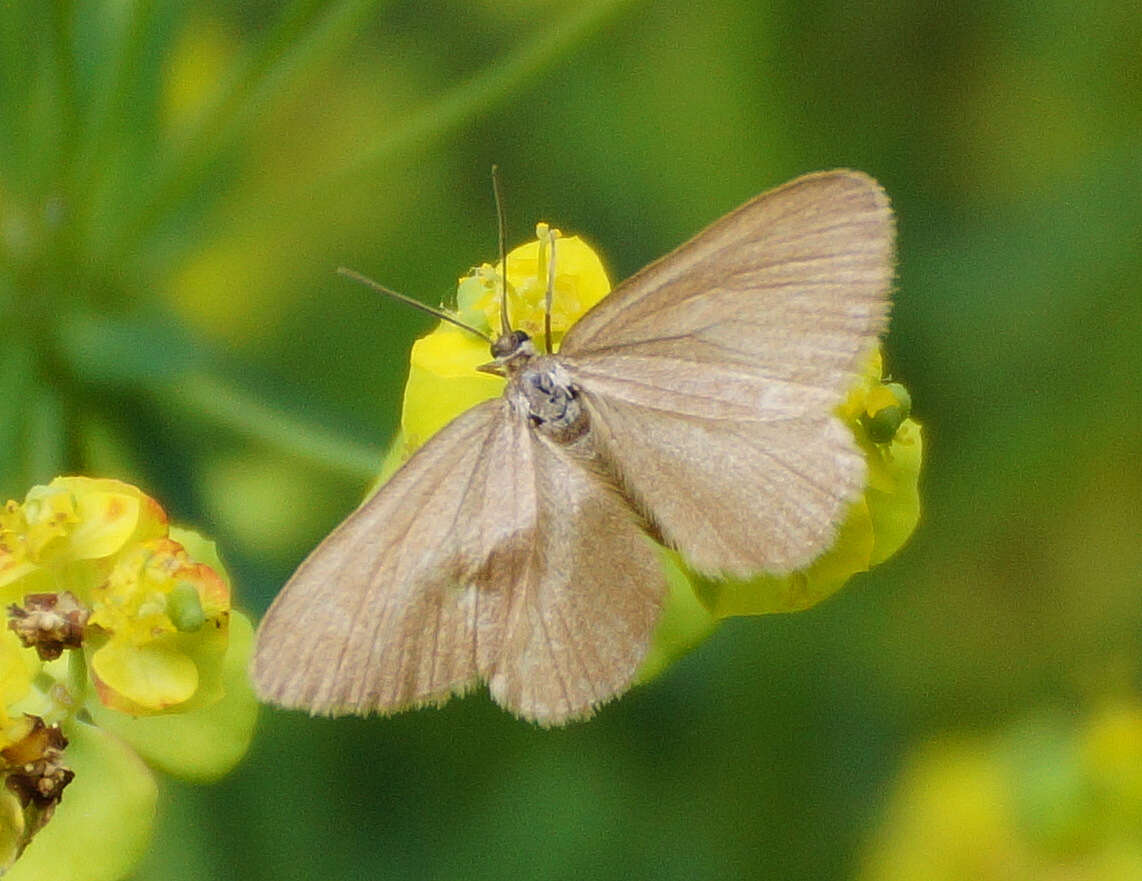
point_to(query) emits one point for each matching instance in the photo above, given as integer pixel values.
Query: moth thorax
(552, 400)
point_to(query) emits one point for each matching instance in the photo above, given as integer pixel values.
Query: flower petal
(893, 492)
(800, 590)
(17, 667)
(107, 521)
(106, 508)
(443, 382)
(143, 678)
(201, 744)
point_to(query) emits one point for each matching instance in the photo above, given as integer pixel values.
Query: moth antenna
(409, 301)
(501, 224)
(551, 236)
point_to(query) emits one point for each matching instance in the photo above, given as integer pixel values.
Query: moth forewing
(712, 376)
(374, 620)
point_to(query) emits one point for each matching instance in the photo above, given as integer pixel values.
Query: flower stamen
(49, 623)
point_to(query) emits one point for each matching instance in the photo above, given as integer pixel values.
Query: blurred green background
(178, 182)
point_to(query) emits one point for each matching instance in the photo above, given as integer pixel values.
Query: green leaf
(145, 351)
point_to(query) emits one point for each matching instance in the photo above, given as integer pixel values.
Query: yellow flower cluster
(443, 382)
(167, 617)
(72, 520)
(113, 615)
(150, 618)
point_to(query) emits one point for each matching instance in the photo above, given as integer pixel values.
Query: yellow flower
(443, 382)
(879, 413)
(580, 282)
(63, 535)
(161, 616)
(91, 562)
(99, 586)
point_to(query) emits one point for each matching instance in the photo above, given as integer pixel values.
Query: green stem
(110, 101)
(63, 63)
(305, 34)
(45, 436)
(487, 89)
(146, 354)
(76, 679)
(484, 91)
(213, 400)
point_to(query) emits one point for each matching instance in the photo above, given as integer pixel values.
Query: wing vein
(376, 661)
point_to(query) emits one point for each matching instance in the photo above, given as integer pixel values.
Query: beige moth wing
(491, 555)
(711, 377)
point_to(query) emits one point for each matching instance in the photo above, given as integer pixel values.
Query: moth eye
(509, 343)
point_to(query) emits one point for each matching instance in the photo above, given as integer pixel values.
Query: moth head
(511, 351)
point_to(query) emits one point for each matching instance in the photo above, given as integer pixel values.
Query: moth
(694, 405)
